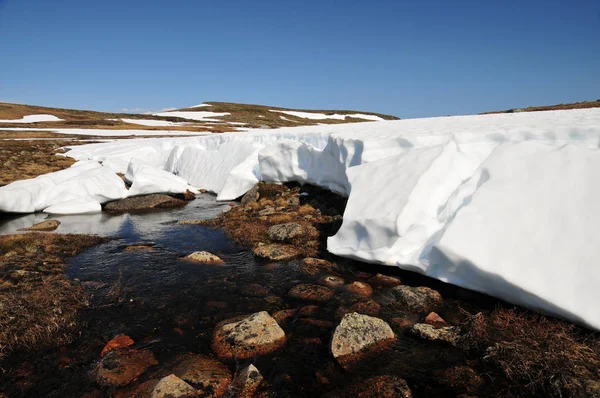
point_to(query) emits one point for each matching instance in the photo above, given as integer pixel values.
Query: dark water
(171, 306)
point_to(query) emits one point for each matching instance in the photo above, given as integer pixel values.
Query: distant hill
(576, 105)
(207, 117)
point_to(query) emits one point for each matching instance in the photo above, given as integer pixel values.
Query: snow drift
(502, 204)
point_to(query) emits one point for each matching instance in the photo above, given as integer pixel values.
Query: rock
(359, 289)
(205, 258)
(283, 316)
(359, 335)
(311, 292)
(309, 311)
(463, 379)
(247, 381)
(121, 341)
(435, 320)
(429, 332)
(251, 196)
(401, 323)
(247, 336)
(138, 248)
(267, 211)
(290, 231)
(293, 201)
(377, 387)
(314, 266)
(254, 290)
(210, 377)
(146, 202)
(385, 281)
(121, 367)
(172, 387)
(331, 280)
(418, 299)
(276, 252)
(275, 302)
(47, 225)
(365, 307)
(193, 222)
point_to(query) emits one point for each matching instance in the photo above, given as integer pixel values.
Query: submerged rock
(376, 387)
(429, 332)
(247, 336)
(313, 266)
(359, 335)
(146, 202)
(360, 289)
(47, 225)
(362, 306)
(120, 367)
(276, 252)
(332, 280)
(210, 377)
(205, 258)
(310, 292)
(385, 281)
(418, 299)
(435, 320)
(172, 386)
(121, 341)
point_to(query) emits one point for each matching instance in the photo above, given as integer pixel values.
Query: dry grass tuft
(38, 305)
(534, 353)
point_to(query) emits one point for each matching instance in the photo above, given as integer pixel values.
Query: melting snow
(193, 115)
(504, 204)
(105, 132)
(152, 122)
(321, 116)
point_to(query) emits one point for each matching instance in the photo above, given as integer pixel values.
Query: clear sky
(407, 58)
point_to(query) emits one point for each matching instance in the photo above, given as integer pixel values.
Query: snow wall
(502, 204)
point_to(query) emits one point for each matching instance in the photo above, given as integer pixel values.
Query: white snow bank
(193, 115)
(321, 116)
(199, 106)
(75, 206)
(34, 119)
(107, 132)
(503, 204)
(146, 180)
(152, 122)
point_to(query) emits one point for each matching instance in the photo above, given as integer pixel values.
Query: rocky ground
(369, 331)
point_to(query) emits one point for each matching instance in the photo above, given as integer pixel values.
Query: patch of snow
(34, 119)
(288, 120)
(199, 106)
(321, 116)
(151, 122)
(193, 115)
(503, 204)
(106, 132)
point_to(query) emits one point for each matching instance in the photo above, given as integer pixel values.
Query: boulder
(359, 335)
(291, 231)
(120, 367)
(435, 320)
(429, 332)
(172, 386)
(47, 225)
(146, 202)
(417, 299)
(205, 258)
(210, 377)
(310, 292)
(276, 252)
(247, 336)
(251, 196)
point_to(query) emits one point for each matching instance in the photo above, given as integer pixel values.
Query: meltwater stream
(171, 306)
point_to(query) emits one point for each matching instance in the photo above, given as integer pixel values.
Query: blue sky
(407, 58)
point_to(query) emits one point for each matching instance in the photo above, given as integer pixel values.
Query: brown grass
(576, 105)
(533, 353)
(38, 306)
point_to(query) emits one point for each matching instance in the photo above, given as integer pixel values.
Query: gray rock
(276, 252)
(247, 381)
(251, 196)
(418, 299)
(247, 336)
(357, 335)
(205, 258)
(448, 334)
(146, 202)
(172, 386)
(290, 231)
(267, 211)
